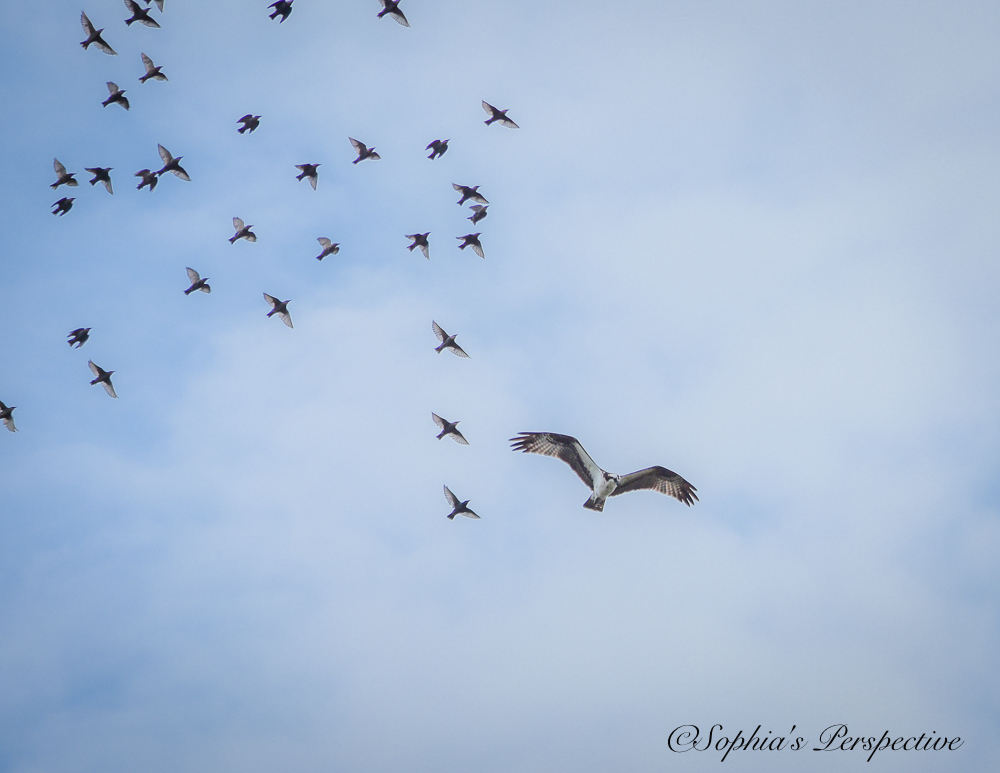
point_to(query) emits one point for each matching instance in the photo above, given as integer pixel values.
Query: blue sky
(755, 244)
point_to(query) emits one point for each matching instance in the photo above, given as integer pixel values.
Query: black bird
(391, 7)
(448, 428)
(447, 341)
(281, 8)
(197, 283)
(148, 178)
(469, 193)
(152, 71)
(6, 417)
(101, 175)
(308, 171)
(94, 36)
(363, 151)
(62, 176)
(498, 115)
(63, 206)
(79, 336)
(329, 248)
(242, 232)
(478, 213)
(420, 240)
(458, 508)
(140, 15)
(171, 164)
(117, 95)
(280, 308)
(103, 378)
(437, 148)
(471, 240)
(250, 122)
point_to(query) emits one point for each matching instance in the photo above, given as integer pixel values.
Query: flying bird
(329, 248)
(103, 378)
(101, 175)
(63, 206)
(437, 148)
(420, 240)
(363, 151)
(140, 15)
(448, 428)
(469, 193)
(281, 8)
(250, 122)
(391, 7)
(471, 240)
(478, 213)
(308, 171)
(148, 178)
(447, 341)
(171, 164)
(498, 115)
(94, 36)
(79, 336)
(458, 508)
(603, 484)
(152, 71)
(280, 308)
(62, 176)
(117, 95)
(7, 417)
(197, 283)
(242, 232)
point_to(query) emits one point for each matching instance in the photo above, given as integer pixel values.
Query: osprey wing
(562, 447)
(658, 479)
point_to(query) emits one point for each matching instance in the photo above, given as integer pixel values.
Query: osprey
(604, 484)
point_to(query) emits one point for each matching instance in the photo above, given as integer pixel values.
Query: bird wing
(458, 437)
(148, 64)
(159, 4)
(60, 169)
(8, 422)
(478, 249)
(250, 236)
(109, 388)
(247, 118)
(508, 123)
(478, 197)
(164, 154)
(467, 512)
(113, 88)
(313, 180)
(88, 26)
(452, 499)
(398, 16)
(562, 447)
(286, 318)
(658, 479)
(132, 6)
(477, 208)
(426, 250)
(489, 108)
(360, 147)
(238, 224)
(271, 299)
(324, 242)
(374, 156)
(432, 145)
(193, 275)
(94, 369)
(459, 188)
(439, 331)
(181, 172)
(437, 420)
(456, 349)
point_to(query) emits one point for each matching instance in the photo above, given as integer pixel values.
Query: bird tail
(594, 503)
(451, 517)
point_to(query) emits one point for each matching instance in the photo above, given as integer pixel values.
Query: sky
(755, 243)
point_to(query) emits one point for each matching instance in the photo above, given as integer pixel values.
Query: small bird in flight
(140, 15)
(498, 115)
(447, 341)
(103, 378)
(448, 428)
(94, 36)
(7, 417)
(281, 8)
(308, 171)
(62, 176)
(63, 206)
(148, 178)
(101, 175)
(280, 308)
(250, 122)
(363, 151)
(329, 248)
(391, 7)
(603, 484)
(171, 164)
(152, 71)
(478, 213)
(437, 148)
(469, 193)
(458, 508)
(420, 240)
(117, 95)
(79, 336)
(471, 240)
(197, 283)
(242, 232)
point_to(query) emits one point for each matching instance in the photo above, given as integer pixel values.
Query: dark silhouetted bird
(437, 148)
(152, 71)
(447, 341)
(140, 15)
(94, 36)
(281, 8)
(79, 336)
(148, 178)
(498, 115)
(448, 428)
(391, 8)
(63, 206)
(280, 308)
(309, 172)
(197, 283)
(329, 248)
(250, 122)
(103, 378)
(471, 240)
(117, 95)
(171, 164)
(458, 508)
(242, 232)
(603, 484)
(469, 193)
(363, 151)
(62, 176)
(420, 240)
(7, 417)
(101, 175)
(478, 213)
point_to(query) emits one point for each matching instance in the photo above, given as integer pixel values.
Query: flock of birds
(564, 447)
